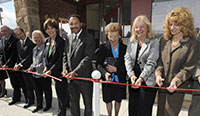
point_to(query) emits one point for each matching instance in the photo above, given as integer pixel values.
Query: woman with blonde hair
(110, 62)
(140, 60)
(178, 57)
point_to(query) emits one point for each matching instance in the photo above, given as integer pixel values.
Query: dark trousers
(30, 86)
(62, 94)
(43, 85)
(141, 101)
(17, 82)
(84, 88)
(194, 106)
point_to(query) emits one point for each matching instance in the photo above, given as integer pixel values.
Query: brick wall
(55, 9)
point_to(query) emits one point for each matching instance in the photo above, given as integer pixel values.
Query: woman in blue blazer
(140, 60)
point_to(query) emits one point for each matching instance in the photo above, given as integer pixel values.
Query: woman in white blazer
(140, 61)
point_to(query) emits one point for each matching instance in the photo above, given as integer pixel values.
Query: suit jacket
(38, 63)
(106, 51)
(147, 58)
(78, 58)
(25, 53)
(195, 82)
(10, 51)
(53, 61)
(179, 62)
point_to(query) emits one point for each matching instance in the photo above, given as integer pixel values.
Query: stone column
(27, 15)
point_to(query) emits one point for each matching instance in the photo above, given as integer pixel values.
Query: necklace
(174, 44)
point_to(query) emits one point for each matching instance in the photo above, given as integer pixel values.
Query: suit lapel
(53, 49)
(4, 44)
(134, 48)
(167, 50)
(46, 53)
(54, 46)
(70, 45)
(144, 47)
(78, 43)
(8, 44)
(19, 49)
(109, 48)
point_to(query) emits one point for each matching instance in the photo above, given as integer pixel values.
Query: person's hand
(111, 68)
(133, 79)
(17, 67)
(198, 79)
(138, 82)
(45, 70)
(64, 73)
(46, 73)
(107, 76)
(70, 75)
(159, 81)
(30, 69)
(4, 66)
(173, 85)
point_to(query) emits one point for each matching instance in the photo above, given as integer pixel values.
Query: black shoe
(26, 101)
(46, 108)
(28, 105)
(36, 109)
(13, 102)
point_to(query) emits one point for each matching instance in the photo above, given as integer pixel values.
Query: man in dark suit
(9, 59)
(24, 60)
(79, 53)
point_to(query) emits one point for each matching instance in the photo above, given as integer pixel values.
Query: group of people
(168, 61)
(48, 56)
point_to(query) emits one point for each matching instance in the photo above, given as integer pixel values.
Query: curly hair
(150, 34)
(183, 17)
(113, 27)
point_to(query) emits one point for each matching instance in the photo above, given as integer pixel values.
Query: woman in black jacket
(53, 54)
(110, 62)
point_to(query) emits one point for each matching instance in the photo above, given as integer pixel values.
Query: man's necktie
(23, 44)
(74, 41)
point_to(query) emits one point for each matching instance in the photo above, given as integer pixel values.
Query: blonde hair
(150, 34)
(113, 27)
(38, 32)
(183, 17)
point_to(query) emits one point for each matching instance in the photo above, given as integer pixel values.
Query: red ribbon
(116, 83)
(27, 71)
(97, 80)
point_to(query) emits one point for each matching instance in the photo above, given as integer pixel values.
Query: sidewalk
(18, 110)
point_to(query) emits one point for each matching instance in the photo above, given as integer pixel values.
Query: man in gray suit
(79, 51)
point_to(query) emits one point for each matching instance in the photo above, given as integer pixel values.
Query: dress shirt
(77, 35)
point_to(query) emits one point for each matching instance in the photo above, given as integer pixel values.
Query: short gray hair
(40, 33)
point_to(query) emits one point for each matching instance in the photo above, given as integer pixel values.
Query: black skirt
(3, 75)
(113, 93)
